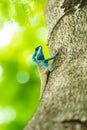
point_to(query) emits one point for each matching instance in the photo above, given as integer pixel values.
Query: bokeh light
(22, 28)
(1, 72)
(7, 114)
(23, 77)
(34, 21)
(7, 32)
(42, 33)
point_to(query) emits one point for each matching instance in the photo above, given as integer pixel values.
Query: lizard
(44, 67)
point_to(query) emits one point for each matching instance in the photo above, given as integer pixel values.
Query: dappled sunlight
(34, 21)
(1, 72)
(42, 34)
(29, 60)
(7, 32)
(7, 114)
(32, 5)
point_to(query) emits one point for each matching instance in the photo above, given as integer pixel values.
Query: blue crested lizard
(44, 67)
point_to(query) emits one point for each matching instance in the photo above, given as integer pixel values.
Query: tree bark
(64, 102)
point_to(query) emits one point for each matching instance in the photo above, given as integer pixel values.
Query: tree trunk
(64, 102)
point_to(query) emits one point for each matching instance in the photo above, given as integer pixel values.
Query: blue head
(40, 55)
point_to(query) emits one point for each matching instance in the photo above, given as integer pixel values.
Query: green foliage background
(19, 76)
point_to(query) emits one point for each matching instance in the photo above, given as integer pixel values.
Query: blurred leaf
(19, 76)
